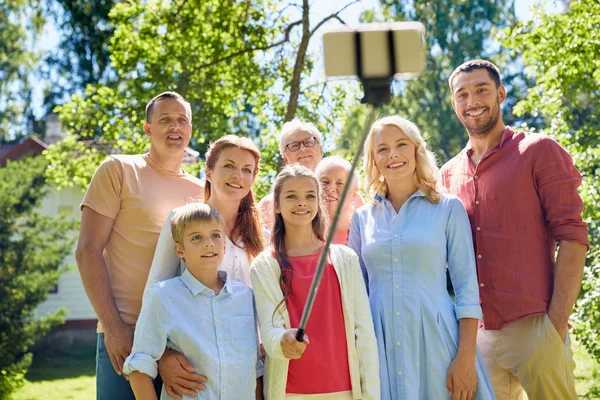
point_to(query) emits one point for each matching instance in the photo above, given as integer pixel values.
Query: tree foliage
(82, 57)
(20, 22)
(243, 66)
(455, 32)
(562, 52)
(32, 246)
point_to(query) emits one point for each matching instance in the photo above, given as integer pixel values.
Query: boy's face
(202, 245)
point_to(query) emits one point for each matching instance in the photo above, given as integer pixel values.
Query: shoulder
(538, 142)
(159, 292)
(366, 209)
(239, 289)
(342, 252)
(452, 163)
(265, 262)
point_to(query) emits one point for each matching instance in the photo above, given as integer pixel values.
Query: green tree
(562, 52)
(32, 246)
(455, 32)
(244, 67)
(20, 23)
(82, 57)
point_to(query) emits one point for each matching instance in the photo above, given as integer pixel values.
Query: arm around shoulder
(165, 264)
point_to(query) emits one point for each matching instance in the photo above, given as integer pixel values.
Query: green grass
(63, 375)
(70, 375)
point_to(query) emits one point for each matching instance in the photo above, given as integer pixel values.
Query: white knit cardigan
(360, 335)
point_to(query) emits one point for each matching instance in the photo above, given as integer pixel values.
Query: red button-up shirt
(521, 199)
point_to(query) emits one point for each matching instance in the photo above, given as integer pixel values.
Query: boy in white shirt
(201, 314)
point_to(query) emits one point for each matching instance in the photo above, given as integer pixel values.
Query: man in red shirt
(520, 191)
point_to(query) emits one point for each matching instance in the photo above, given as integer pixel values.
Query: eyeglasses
(295, 146)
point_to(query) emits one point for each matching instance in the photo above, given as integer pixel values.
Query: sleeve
(366, 342)
(461, 261)
(150, 337)
(354, 242)
(260, 364)
(268, 295)
(557, 181)
(104, 192)
(165, 264)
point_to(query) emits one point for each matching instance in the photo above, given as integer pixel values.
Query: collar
(379, 197)
(196, 287)
(507, 135)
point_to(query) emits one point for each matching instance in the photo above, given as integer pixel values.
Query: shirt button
(395, 259)
(219, 343)
(397, 286)
(223, 366)
(476, 201)
(217, 321)
(214, 300)
(399, 372)
(478, 228)
(223, 390)
(395, 236)
(476, 177)
(481, 284)
(398, 343)
(397, 314)
(479, 256)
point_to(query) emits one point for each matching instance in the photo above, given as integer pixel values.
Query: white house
(69, 293)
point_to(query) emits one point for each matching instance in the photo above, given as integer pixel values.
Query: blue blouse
(404, 256)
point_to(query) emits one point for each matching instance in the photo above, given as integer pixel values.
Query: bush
(32, 247)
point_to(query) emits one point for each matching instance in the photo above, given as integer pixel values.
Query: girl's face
(394, 154)
(333, 180)
(298, 201)
(233, 174)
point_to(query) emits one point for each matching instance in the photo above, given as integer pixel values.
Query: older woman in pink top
(332, 173)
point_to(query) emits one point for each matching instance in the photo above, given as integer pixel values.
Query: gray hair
(336, 161)
(297, 125)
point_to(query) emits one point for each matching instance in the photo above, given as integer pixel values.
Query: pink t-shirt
(323, 368)
(138, 194)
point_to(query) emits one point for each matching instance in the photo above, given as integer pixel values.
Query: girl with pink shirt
(339, 361)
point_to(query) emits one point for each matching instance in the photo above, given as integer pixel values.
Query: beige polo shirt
(139, 195)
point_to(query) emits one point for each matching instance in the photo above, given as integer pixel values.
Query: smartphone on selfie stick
(376, 54)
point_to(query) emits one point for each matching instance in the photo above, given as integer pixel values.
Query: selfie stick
(376, 93)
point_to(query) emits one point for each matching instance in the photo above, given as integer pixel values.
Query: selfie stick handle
(376, 93)
(314, 287)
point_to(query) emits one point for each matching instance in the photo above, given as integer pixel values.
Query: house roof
(15, 151)
(33, 145)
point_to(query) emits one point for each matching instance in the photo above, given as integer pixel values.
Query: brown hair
(167, 95)
(426, 176)
(319, 224)
(190, 213)
(471, 65)
(247, 225)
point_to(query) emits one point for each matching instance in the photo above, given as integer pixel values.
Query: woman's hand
(291, 348)
(462, 378)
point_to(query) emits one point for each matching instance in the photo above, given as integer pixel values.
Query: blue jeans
(109, 385)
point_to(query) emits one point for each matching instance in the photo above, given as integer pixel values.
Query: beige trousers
(529, 355)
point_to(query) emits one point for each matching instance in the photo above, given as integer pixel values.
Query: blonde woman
(405, 240)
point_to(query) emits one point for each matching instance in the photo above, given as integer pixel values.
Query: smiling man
(520, 192)
(123, 211)
(299, 142)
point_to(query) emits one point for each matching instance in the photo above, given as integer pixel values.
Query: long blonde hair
(426, 176)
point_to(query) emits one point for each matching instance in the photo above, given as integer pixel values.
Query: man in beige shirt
(123, 211)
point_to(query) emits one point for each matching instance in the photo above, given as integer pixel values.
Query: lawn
(71, 376)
